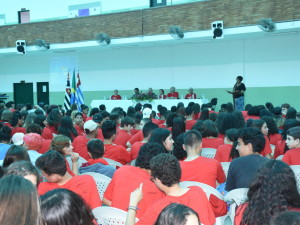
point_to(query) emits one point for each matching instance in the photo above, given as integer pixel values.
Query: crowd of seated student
(109, 135)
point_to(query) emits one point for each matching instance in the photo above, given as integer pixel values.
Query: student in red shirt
(54, 169)
(116, 95)
(112, 151)
(98, 119)
(78, 124)
(80, 142)
(166, 172)
(17, 123)
(137, 117)
(189, 122)
(173, 94)
(225, 152)
(128, 178)
(147, 130)
(163, 137)
(210, 134)
(53, 122)
(123, 133)
(292, 156)
(191, 94)
(139, 135)
(85, 110)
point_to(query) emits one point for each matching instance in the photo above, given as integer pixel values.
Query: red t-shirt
(48, 132)
(94, 161)
(292, 157)
(125, 180)
(117, 153)
(122, 137)
(158, 122)
(80, 130)
(100, 134)
(80, 146)
(212, 142)
(195, 198)
(267, 149)
(174, 95)
(135, 148)
(274, 138)
(196, 116)
(69, 170)
(45, 146)
(18, 130)
(137, 137)
(162, 97)
(279, 148)
(83, 185)
(251, 117)
(133, 132)
(223, 153)
(190, 96)
(203, 170)
(115, 97)
(84, 117)
(189, 124)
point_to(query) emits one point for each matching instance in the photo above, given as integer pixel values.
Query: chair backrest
(296, 170)
(113, 163)
(225, 166)
(238, 196)
(272, 148)
(109, 215)
(206, 188)
(79, 162)
(132, 163)
(101, 181)
(208, 152)
(279, 157)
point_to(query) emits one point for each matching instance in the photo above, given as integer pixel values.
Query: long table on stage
(168, 103)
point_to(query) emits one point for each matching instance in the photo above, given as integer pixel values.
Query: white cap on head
(147, 112)
(17, 138)
(90, 125)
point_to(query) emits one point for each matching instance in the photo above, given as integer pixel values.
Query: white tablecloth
(110, 104)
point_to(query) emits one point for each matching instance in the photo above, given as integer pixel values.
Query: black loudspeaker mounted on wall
(21, 46)
(217, 29)
(156, 3)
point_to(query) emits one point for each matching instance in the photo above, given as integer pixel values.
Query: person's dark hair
(170, 118)
(277, 111)
(271, 124)
(114, 116)
(192, 137)
(247, 107)
(269, 106)
(146, 153)
(197, 126)
(102, 107)
(19, 202)
(191, 104)
(233, 135)
(209, 129)
(285, 105)
(166, 168)
(52, 162)
(95, 148)
(138, 107)
(54, 118)
(173, 109)
(66, 128)
(83, 107)
(94, 111)
(240, 78)
(23, 168)
(9, 104)
(240, 118)
(181, 111)
(275, 183)
(105, 114)
(180, 104)
(229, 107)
(254, 136)
(196, 108)
(108, 129)
(147, 105)
(204, 114)
(5, 134)
(234, 153)
(178, 126)
(294, 132)
(287, 125)
(6, 115)
(148, 128)
(291, 113)
(175, 214)
(178, 150)
(34, 128)
(14, 154)
(40, 120)
(64, 207)
(159, 136)
(127, 121)
(213, 117)
(265, 112)
(136, 89)
(253, 111)
(223, 108)
(16, 117)
(29, 119)
(286, 217)
(137, 118)
(130, 112)
(189, 111)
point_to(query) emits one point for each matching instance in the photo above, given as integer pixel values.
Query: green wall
(253, 95)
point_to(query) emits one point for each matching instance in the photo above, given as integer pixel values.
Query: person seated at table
(162, 94)
(116, 95)
(173, 94)
(151, 94)
(136, 93)
(191, 94)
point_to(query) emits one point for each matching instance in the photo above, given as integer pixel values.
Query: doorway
(42, 89)
(23, 93)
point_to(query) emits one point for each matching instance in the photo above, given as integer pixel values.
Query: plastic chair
(296, 170)
(79, 162)
(279, 157)
(225, 166)
(208, 152)
(101, 181)
(208, 191)
(132, 163)
(113, 163)
(273, 149)
(110, 215)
